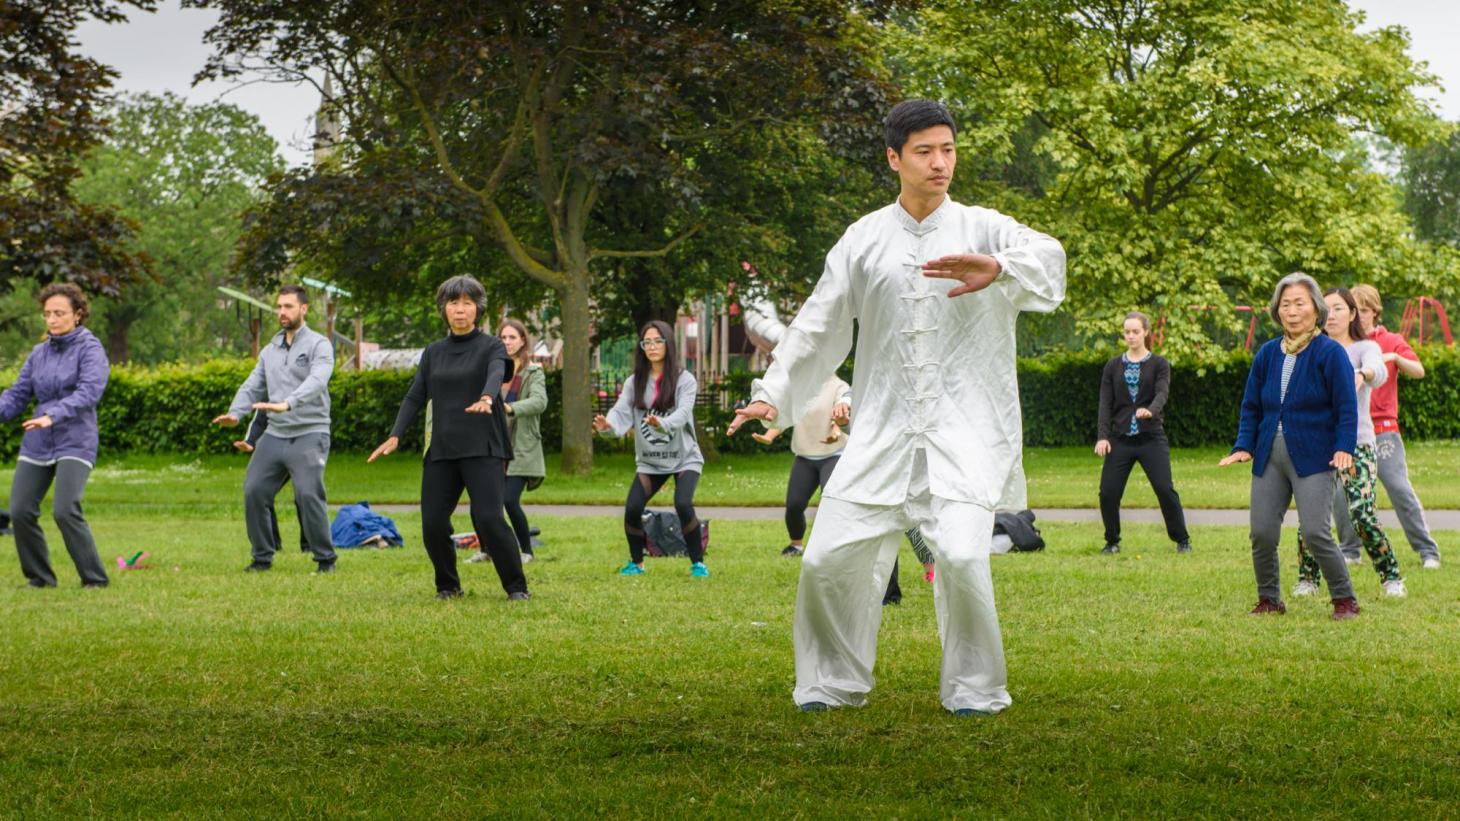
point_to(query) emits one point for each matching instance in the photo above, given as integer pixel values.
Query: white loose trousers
(839, 601)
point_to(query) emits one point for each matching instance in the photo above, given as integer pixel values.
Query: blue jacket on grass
(1319, 416)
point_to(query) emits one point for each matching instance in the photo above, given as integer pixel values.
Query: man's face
(1368, 318)
(291, 311)
(926, 162)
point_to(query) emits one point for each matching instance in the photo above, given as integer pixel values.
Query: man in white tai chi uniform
(936, 288)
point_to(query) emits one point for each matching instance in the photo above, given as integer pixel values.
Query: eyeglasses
(651, 342)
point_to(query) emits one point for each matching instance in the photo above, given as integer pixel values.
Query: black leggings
(441, 484)
(644, 486)
(807, 476)
(1153, 454)
(515, 513)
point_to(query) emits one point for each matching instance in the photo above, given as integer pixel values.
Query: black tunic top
(1116, 406)
(454, 373)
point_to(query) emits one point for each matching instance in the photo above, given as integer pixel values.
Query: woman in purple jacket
(65, 375)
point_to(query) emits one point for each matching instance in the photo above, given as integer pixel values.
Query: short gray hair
(462, 286)
(1314, 292)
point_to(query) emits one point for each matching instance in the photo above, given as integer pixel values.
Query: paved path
(1438, 519)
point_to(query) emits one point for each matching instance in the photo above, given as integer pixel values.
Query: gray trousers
(1394, 475)
(1271, 492)
(26, 491)
(299, 460)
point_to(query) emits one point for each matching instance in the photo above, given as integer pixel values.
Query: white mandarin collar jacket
(931, 372)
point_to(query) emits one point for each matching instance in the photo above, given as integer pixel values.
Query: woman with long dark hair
(65, 376)
(524, 398)
(1356, 496)
(657, 404)
(1133, 391)
(461, 375)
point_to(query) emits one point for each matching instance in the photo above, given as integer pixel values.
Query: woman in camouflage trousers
(1357, 489)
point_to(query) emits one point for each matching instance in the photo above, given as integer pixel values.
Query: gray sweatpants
(1394, 475)
(300, 460)
(26, 491)
(1271, 492)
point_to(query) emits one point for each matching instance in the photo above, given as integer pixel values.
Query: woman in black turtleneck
(469, 449)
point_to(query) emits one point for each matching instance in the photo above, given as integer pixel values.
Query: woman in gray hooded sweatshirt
(658, 406)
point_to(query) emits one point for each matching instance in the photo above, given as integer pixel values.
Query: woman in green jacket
(524, 398)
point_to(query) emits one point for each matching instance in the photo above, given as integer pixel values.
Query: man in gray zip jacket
(290, 383)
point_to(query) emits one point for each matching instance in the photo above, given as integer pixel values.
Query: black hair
(298, 292)
(914, 115)
(668, 380)
(458, 286)
(1355, 327)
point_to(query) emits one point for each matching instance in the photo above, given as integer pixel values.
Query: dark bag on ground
(664, 538)
(1020, 529)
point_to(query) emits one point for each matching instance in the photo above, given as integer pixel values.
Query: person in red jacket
(1399, 359)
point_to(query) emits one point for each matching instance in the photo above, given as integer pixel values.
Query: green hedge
(169, 408)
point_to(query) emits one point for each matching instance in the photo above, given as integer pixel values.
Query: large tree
(184, 174)
(50, 98)
(537, 114)
(1187, 151)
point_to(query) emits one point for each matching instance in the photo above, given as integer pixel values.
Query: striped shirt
(1289, 361)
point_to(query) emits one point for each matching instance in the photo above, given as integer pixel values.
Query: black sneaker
(891, 600)
(1183, 547)
(519, 595)
(1110, 549)
(257, 567)
(37, 583)
(791, 551)
(444, 595)
(325, 567)
(93, 585)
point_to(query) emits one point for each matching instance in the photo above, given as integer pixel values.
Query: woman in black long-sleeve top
(469, 449)
(1133, 390)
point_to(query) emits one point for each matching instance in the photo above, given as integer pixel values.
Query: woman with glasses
(658, 405)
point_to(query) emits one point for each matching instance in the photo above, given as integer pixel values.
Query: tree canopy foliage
(50, 102)
(1188, 152)
(569, 141)
(184, 174)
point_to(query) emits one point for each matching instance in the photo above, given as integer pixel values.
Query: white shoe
(1353, 561)
(1432, 563)
(479, 557)
(1304, 588)
(527, 557)
(1395, 588)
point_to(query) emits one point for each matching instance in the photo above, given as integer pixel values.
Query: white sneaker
(1395, 588)
(1432, 563)
(1353, 561)
(527, 557)
(1304, 588)
(479, 557)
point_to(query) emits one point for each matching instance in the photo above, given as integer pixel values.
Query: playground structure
(1416, 320)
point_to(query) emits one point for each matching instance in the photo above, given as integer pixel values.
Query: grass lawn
(1058, 477)
(1140, 688)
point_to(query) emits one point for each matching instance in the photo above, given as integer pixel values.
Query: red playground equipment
(1417, 316)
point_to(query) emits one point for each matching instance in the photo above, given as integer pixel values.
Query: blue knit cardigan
(1319, 415)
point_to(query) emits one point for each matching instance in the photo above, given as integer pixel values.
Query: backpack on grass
(664, 538)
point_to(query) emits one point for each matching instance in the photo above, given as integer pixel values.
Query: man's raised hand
(974, 271)
(764, 411)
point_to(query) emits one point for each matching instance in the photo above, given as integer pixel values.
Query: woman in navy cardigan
(1299, 424)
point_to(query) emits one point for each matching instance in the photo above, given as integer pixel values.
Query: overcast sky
(162, 51)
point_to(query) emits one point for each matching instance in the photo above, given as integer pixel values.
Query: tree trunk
(579, 402)
(118, 328)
